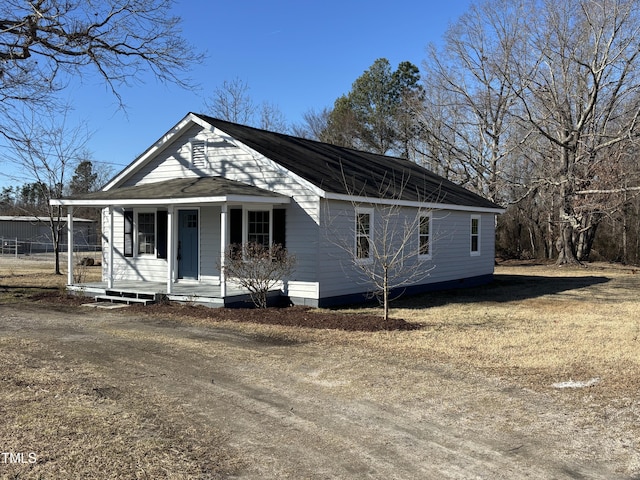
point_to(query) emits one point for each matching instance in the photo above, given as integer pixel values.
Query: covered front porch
(196, 294)
(169, 239)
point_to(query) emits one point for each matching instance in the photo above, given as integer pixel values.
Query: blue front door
(188, 244)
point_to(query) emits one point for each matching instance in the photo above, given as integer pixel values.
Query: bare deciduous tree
(272, 118)
(388, 246)
(313, 125)
(45, 149)
(580, 92)
(468, 110)
(231, 101)
(44, 42)
(533, 101)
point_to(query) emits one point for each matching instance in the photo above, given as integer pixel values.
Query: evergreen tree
(84, 179)
(373, 115)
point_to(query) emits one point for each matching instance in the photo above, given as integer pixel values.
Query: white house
(171, 214)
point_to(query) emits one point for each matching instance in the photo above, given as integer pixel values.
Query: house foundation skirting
(210, 295)
(363, 297)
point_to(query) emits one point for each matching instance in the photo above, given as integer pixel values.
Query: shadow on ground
(503, 288)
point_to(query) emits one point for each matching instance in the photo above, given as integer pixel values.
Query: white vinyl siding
(139, 267)
(227, 160)
(324, 267)
(449, 249)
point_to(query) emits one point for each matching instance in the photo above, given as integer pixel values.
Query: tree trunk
(56, 248)
(587, 236)
(549, 239)
(55, 234)
(385, 293)
(566, 247)
(565, 242)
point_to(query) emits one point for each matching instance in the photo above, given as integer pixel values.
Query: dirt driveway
(288, 409)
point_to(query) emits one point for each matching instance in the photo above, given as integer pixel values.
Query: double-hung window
(145, 233)
(363, 229)
(424, 237)
(265, 227)
(475, 235)
(258, 227)
(146, 229)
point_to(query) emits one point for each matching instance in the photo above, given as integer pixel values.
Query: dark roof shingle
(180, 188)
(345, 171)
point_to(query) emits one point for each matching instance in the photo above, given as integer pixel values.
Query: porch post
(70, 246)
(223, 247)
(110, 265)
(170, 252)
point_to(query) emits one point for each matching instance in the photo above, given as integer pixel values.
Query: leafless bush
(258, 268)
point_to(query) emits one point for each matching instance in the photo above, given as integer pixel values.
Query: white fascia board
(407, 203)
(255, 154)
(170, 201)
(250, 199)
(156, 148)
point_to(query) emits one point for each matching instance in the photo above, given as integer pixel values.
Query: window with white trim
(424, 237)
(146, 229)
(475, 235)
(145, 233)
(363, 229)
(258, 227)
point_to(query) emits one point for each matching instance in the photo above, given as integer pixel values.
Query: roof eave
(355, 199)
(73, 202)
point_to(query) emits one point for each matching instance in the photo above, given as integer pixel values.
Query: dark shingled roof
(181, 188)
(342, 170)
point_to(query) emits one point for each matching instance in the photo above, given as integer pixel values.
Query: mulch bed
(305, 317)
(296, 316)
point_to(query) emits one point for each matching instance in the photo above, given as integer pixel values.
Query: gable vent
(199, 154)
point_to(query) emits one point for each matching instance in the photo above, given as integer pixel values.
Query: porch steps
(128, 297)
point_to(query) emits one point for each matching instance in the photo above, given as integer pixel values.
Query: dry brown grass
(25, 275)
(537, 325)
(77, 425)
(534, 326)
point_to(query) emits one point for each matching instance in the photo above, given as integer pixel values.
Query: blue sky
(298, 55)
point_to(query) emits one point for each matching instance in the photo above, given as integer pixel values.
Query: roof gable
(162, 143)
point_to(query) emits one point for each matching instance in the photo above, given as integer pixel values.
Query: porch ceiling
(177, 191)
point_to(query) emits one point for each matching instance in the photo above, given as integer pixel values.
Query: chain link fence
(16, 247)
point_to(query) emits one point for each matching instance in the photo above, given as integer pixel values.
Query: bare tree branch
(44, 41)
(45, 149)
